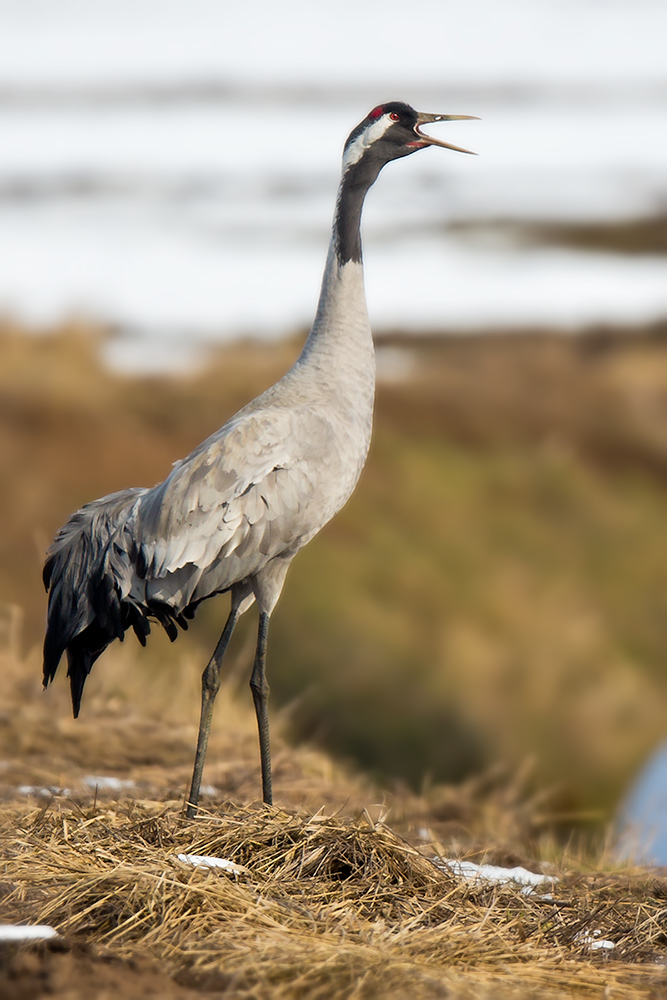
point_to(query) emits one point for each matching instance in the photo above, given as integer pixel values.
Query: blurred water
(642, 820)
(170, 167)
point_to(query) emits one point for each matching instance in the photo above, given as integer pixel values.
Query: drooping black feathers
(88, 608)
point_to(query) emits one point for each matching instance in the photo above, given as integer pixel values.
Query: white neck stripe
(371, 134)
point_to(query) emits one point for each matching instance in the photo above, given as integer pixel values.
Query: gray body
(245, 501)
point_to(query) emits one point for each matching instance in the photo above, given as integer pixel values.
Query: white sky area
(305, 41)
(189, 220)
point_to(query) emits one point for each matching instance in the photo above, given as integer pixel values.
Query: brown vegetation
(642, 235)
(337, 896)
(496, 588)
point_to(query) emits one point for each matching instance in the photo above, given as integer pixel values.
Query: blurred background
(497, 587)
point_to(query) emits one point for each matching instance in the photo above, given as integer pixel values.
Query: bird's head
(390, 131)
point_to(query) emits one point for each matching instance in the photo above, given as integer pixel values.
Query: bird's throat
(354, 185)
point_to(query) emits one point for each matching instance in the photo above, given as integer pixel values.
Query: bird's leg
(260, 693)
(210, 685)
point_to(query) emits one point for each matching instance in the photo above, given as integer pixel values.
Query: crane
(234, 513)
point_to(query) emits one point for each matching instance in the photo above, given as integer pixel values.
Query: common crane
(234, 513)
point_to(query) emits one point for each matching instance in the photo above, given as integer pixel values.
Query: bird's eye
(395, 117)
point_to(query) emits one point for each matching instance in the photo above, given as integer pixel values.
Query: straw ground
(329, 899)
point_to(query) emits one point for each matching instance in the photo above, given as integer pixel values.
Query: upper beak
(425, 119)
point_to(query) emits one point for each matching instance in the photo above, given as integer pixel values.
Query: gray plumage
(233, 514)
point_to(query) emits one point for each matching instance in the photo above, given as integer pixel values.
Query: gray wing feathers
(230, 506)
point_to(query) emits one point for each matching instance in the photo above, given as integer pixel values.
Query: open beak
(427, 140)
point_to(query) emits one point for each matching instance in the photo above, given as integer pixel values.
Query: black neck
(347, 221)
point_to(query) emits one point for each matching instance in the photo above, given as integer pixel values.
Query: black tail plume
(86, 610)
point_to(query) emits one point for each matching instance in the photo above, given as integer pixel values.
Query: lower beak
(424, 119)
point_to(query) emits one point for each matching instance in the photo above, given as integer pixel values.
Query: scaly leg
(210, 685)
(260, 694)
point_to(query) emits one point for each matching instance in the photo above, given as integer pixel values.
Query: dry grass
(600, 394)
(332, 902)
(325, 907)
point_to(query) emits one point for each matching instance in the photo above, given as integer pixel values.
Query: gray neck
(341, 323)
(341, 335)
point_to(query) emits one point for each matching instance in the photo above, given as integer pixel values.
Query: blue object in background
(643, 816)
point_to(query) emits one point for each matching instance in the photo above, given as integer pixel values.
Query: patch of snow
(22, 932)
(44, 792)
(107, 782)
(492, 873)
(204, 861)
(594, 941)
